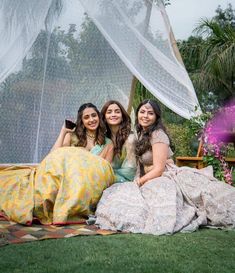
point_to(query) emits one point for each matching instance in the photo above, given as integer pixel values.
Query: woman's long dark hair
(143, 144)
(124, 128)
(80, 130)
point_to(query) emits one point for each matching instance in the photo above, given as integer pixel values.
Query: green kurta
(124, 166)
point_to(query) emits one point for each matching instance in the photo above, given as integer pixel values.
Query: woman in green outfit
(118, 125)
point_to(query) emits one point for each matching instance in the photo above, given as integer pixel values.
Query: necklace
(90, 136)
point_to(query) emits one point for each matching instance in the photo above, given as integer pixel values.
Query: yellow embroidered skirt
(66, 187)
(17, 193)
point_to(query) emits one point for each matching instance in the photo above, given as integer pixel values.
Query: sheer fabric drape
(56, 55)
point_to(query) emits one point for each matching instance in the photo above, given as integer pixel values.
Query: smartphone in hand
(69, 124)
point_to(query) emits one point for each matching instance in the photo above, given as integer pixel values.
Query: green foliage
(221, 169)
(219, 172)
(233, 177)
(190, 51)
(141, 93)
(211, 160)
(179, 137)
(168, 116)
(230, 150)
(175, 125)
(167, 2)
(225, 17)
(210, 60)
(196, 125)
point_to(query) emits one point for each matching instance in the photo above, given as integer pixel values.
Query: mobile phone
(69, 124)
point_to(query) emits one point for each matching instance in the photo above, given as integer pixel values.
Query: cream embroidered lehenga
(182, 199)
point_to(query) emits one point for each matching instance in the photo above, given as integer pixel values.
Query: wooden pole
(173, 44)
(175, 47)
(135, 80)
(171, 36)
(132, 94)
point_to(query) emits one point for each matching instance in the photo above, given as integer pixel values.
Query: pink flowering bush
(214, 154)
(215, 139)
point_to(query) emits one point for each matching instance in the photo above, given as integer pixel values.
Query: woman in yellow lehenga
(67, 184)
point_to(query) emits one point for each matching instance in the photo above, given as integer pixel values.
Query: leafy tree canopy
(210, 60)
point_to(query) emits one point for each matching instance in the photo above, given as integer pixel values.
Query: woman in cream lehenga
(67, 184)
(164, 198)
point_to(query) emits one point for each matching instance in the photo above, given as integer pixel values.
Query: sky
(185, 14)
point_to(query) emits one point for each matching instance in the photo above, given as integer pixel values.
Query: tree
(217, 58)
(225, 17)
(209, 57)
(21, 93)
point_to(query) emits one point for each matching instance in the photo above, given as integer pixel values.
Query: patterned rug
(13, 233)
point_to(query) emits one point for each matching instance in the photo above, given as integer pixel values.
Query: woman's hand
(65, 130)
(107, 152)
(139, 182)
(64, 138)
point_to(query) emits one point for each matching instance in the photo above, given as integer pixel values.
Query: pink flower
(215, 148)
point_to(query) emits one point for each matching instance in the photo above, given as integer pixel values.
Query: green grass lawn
(201, 251)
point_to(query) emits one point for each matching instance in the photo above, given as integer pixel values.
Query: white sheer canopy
(57, 54)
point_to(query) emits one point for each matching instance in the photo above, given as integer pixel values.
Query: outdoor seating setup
(192, 161)
(197, 161)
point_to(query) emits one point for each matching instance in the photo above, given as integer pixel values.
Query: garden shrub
(179, 137)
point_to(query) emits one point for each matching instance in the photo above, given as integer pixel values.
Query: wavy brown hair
(124, 127)
(143, 144)
(80, 129)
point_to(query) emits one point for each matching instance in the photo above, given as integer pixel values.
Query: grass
(202, 251)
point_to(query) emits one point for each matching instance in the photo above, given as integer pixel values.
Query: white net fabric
(139, 32)
(54, 58)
